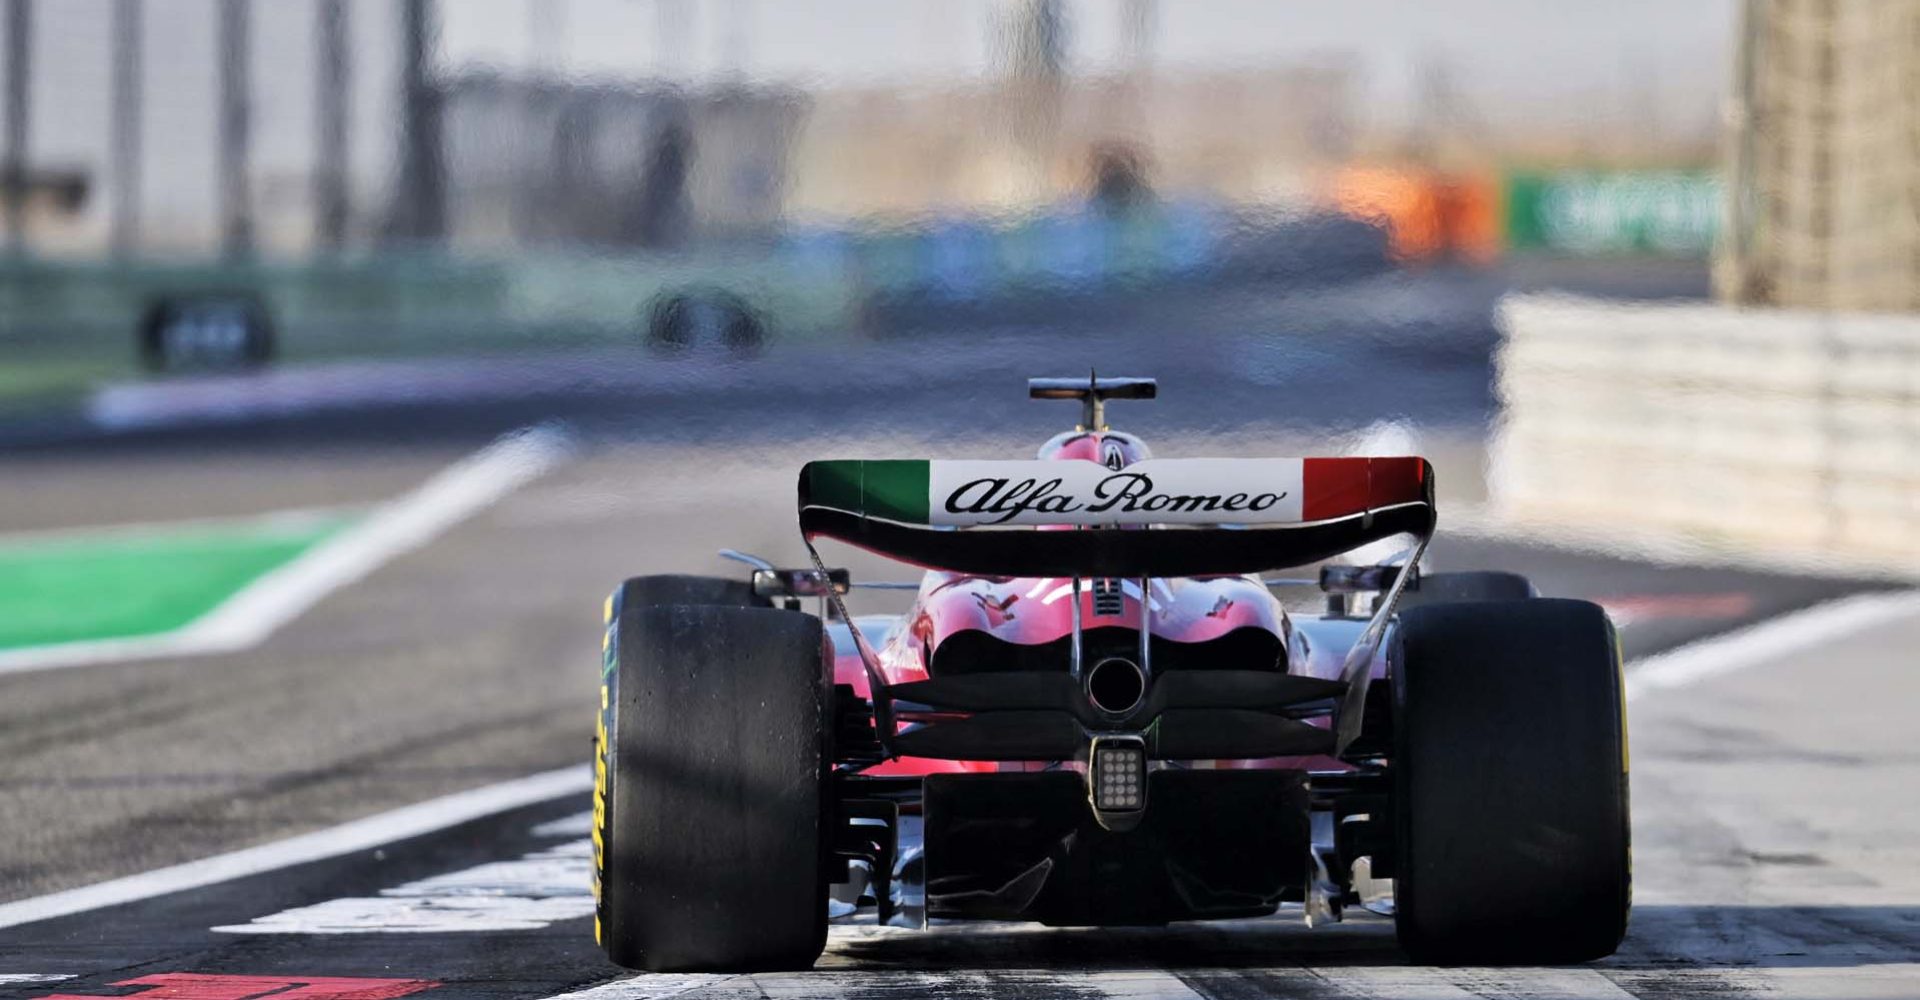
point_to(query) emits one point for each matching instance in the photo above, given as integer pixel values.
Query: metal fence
(219, 127)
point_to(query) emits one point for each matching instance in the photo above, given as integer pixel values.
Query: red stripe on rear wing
(1338, 487)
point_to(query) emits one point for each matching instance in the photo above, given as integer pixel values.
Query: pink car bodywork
(1030, 611)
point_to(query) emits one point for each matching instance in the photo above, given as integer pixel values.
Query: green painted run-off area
(115, 583)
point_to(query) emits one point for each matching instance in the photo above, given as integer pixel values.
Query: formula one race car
(1094, 713)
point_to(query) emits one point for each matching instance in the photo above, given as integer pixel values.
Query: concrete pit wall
(1773, 433)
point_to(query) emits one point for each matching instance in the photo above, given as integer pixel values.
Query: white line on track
(247, 618)
(653, 986)
(1769, 640)
(358, 835)
(538, 889)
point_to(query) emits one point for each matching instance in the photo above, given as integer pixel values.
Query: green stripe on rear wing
(1292, 511)
(895, 489)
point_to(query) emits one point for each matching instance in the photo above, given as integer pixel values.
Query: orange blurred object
(1427, 215)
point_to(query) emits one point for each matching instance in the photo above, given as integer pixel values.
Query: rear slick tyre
(683, 588)
(710, 789)
(1475, 585)
(1510, 784)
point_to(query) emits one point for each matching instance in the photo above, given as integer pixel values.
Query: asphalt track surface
(1775, 825)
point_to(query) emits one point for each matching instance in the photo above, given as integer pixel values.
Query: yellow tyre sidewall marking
(602, 763)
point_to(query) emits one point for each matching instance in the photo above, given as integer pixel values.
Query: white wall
(1776, 432)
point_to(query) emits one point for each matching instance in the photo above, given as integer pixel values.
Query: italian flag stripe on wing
(1337, 487)
(895, 489)
(900, 489)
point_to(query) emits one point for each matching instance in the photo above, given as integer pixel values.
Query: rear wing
(1219, 516)
(1210, 516)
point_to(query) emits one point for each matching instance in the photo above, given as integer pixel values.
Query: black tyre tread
(1511, 799)
(257, 350)
(684, 588)
(710, 818)
(1475, 585)
(745, 332)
